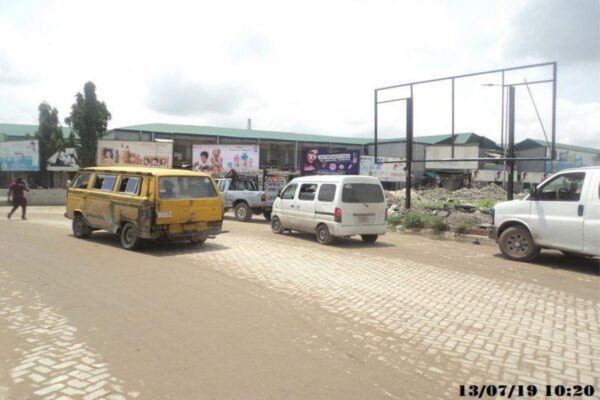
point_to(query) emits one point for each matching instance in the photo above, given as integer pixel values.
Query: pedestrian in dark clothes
(18, 189)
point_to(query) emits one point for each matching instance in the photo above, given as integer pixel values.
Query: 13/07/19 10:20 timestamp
(513, 391)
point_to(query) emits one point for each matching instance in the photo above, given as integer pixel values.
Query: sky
(305, 66)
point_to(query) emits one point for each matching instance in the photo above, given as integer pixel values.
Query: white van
(332, 206)
(562, 213)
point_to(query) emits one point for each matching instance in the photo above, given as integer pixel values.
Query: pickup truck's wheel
(130, 239)
(243, 212)
(267, 215)
(323, 235)
(369, 238)
(276, 226)
(517, 244)
(80, 229)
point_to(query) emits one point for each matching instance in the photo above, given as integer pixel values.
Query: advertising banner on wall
(219, 158)
(22, 155)
(63, 160)
(391, 171)
(130, 152)
(323, 162)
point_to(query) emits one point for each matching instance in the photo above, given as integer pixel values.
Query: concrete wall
(40, 197)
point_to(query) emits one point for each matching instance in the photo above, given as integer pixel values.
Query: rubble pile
(459, 207)
(461, 196)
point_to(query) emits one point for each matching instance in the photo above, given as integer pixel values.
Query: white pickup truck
(562, 212)
(243, 197)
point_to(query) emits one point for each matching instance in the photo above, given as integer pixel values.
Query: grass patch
(394, 219)
(463, 228)
(485, 203)
(414, 220)
(437, 223)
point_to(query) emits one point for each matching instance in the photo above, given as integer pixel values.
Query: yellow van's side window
(104, 182)
(81, 182)
(130, 185)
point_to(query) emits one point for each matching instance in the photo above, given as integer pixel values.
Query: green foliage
(486, 203)
(49, 136)
(413, 220)
(436, 223)
(394, 219)
(89, 120)
(463, 227)
(433, 204)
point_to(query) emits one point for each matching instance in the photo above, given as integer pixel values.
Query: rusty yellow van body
(145, 203)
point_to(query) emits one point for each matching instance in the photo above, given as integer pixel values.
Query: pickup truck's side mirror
(68, 185)
(533, 192)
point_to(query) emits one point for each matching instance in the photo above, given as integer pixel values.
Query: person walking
(18, 189)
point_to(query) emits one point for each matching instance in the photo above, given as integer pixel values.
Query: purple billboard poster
(322, 162)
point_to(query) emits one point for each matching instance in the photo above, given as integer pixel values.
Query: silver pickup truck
(244, 198)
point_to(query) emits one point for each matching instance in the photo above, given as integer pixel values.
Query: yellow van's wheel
(323, 235)
(129, 237)
(80, 229)
(243, 212)
(199, 239)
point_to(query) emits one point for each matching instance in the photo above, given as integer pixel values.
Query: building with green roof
(567, 156)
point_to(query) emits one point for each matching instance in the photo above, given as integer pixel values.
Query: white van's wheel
(323, 235)
(517, 244)
(276, 226)
(243, 212)
(369, 238)
(129, 237)
(80, 229)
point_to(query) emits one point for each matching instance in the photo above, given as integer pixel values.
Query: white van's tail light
(385, 215)
(338, 214)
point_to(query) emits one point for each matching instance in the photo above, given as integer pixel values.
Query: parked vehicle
(562, 213)
(145, 203)
(332, 206)
(242, 195)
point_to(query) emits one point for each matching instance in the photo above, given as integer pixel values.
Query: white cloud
(304, 67)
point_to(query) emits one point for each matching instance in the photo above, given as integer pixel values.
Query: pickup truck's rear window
(185, 187)
(362, 193)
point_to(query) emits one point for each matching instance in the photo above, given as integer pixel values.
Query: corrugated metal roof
(528, 143)
(17, 131)
(243, 133)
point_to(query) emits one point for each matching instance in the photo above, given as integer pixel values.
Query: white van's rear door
(363, 204)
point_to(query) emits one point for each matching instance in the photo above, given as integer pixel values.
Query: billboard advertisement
(123, 152)
(392, 171)
(219, 158)
(63, 160)
(22, 155)
(323, 162)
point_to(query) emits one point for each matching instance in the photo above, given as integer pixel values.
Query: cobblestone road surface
(436, 311)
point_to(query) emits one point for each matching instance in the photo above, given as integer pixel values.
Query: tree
(89, 119)
(49, 134)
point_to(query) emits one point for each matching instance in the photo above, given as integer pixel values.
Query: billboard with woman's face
(323, 162)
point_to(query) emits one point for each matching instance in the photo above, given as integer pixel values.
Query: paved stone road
(446, 324)
(446, 312)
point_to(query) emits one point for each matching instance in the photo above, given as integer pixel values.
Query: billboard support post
(511, 143)
(409, 150)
